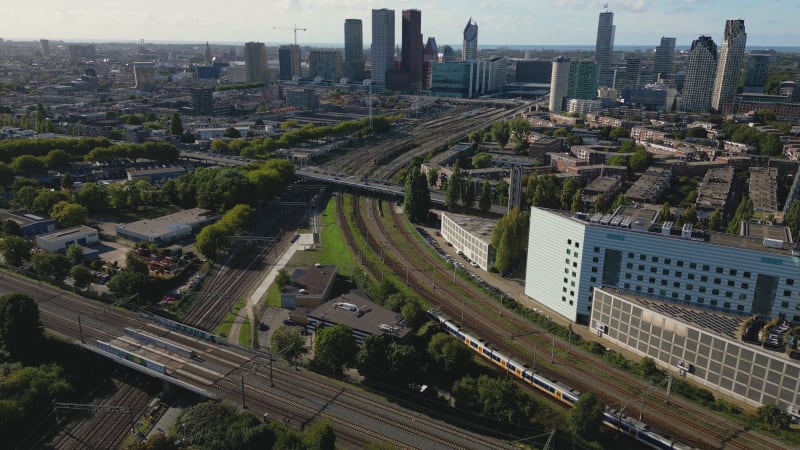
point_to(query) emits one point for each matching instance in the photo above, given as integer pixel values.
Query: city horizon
(564, 22)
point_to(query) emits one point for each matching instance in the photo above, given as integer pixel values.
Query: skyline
(560, 22)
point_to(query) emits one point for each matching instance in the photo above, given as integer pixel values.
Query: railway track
(451, 296)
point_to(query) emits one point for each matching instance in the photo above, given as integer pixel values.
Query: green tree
(69, 214)
(665, 213)
(599, 203)
(413, 315)
(51, 265)
(465, 393)
(453, 192)
(372, 359)
(546, 193)
(417, 199)
(26, 195)
(503, 254)
(690, 215)
(433, 176)
(617, 161)
(773, 418)
(451, 354)
(66, 181)
(568, 189)
(288, 343)
(744, 212)
(212, 240)
(715, 220)
(282, 278)
(485, 197)
(20, 327)
(6, 174)
(127, 283)
(93, 196)
(792, 218)
(57, 159)
(134, 264)
(75, 253)
(697, 132)
(641, 159)
(587, 416)
(334, 348)
(176, 125)
(468, 193)
(15, 250)
(577, 201)
(232, 133)
(9, 228)
(28, 165)
(46, 199)
(501, 133)
(320, 436)
(81, 276)
(482, 160)
(519, 130)
(618, 133)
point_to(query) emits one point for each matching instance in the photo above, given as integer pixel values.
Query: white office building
(470, 235)
(569, 254)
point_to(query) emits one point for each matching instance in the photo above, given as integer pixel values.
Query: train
(561, 392)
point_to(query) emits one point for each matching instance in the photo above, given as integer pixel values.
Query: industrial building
(308, 288)
(61, 239)
(570, 254)
(167, 228)
(29, 224)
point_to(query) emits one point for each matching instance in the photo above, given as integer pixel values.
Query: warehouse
(60, 240)
(167, 228)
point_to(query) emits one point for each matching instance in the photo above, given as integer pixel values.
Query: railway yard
(254, 381)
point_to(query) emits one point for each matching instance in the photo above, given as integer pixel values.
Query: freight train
(612, 418)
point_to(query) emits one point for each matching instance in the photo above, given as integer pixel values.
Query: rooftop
(312, 281)
(165, 224)
(357, 311)
(476, 226)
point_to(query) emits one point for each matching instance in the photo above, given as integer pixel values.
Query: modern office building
(302, 98)
(604, 48)
(255, 61)
(756, 75)
(701, 66)
(633, 72)
(582, 80)
(703, 346)
(468, 79)
(559, 83)
(144, 75)
(535, 71)
(665, 53)
(469, 48)
(203, 100)
(325, 64)
(382, 53)
(353, 50)
(571, 254)
(729, 65)
(470, 235)
(44, 47)
(411, 61)
(289, 61)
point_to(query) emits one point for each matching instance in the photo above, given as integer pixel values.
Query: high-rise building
(756, 75)
(665, 52)
(208, 55)
(559, 83)
(515, 187)
(289, 61)
(144, 74)
(255, 61)
(326, 64)
(729, 66)
(203, 100)
(701, 65)
(430, 55)
(353, 50)
(604, 48)
(44, 47)
(382, 52)
(77, 52)
(411, 61)
(469, 49)
(633, 71)
(582, 80)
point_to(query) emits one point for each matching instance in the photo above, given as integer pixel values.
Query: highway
(245, 377)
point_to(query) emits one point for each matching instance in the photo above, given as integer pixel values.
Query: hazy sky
(543, 22)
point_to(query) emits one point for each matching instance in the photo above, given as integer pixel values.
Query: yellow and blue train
(612, 418)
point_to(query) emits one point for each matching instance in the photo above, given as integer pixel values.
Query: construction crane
(294, 28)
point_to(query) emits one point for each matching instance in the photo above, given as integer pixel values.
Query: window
(569, 241)
(665, 271)
(566, 270)
(566, 261)
(784, 304)
(715, 292)
(713, 303)
(573, 274)
(667, 261)
(742, 296)
(572, 283)
(789, 282)
(719, 269)
(639, 278)
(593, 279)
(577, 244)
(595, 259)
(654, 259)
(649, 290)
(692, 265)
(702, 289)
(594, 269)
(700, 300)
(653, 269)
(687, 297)
(571, 302)
(575, 264)
(690, 276)
(630, 254)
(787, 293)
(732, 272)
(746, 274)
(680, 263)
(678, 274)
(731, 283)
(689, 287)
(717, 281)
(651, 280)
(565, 280)
(726, 305)
(638, 289)
(675, 295)
(663, 282)
(706, 268)
(597, 249)
(728, 294)
(569, 252)
(563, 299)
(629, 265)
(676, 284)
(745, 286)
(642, 257)
(627, 285)
(572, 293)
(576, 254)
(641, 266)
(740, 307)
(703, 278)
(627, 276)
(564, 289)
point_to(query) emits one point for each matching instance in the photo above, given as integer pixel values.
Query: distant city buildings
(382, 54)
(144, 74)
(325, 64)
(729, 66)
(78, 52)
(559, 83)
(289, 62)
(469, 48)
(353, 50)
(701, 67)
(411, 62)
(665, 53)
(255, 61)
(604, 48)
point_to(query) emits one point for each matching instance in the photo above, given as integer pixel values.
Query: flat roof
(60, 234)
(715, 322)
(165, 224)
(315, 280)
(476, 226)
(357, 311)
(22, 218)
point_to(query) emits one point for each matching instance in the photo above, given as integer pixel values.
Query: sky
(512, 22)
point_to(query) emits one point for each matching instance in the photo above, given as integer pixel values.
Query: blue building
(30, 224)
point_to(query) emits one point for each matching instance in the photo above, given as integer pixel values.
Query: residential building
(382, 53)
(701, 65)
(325, 64)
(289, 62)
(604, 48)
(559, 83)
(715, 192)
(763, 190)
(255, 61)
(582, 106)
(665, 53)
(729, 65)
(353, 50)
(411, 60)
(469, 47)
(571, 254)
(756, 75)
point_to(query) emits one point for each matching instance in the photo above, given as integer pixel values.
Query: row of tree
(215, 239)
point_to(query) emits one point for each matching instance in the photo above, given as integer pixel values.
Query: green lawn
(245, 334)
(333, 250)
(225, 326)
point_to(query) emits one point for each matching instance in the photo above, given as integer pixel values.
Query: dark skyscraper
(469, 49)
(604, 48)
(665, 52)
(382, 53)
(353, 50)
(412, 47)
(289, 61)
